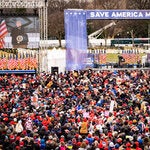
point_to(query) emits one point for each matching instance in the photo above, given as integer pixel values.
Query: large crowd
(76, 110)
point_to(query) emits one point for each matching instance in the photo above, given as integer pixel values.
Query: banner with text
(118, 14)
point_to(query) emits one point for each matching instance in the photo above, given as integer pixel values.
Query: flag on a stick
(3, 33)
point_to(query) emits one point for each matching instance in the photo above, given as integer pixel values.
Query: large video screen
(23, 32)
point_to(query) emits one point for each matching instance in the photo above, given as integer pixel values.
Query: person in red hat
(21, 143)
(11, 138)
(128, 146)
(17, 148)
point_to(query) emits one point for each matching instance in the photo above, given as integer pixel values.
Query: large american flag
(3, 33)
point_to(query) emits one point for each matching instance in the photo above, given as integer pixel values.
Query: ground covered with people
(76, 110)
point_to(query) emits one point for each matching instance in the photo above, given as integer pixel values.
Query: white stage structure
(56, 58)
(42, 6)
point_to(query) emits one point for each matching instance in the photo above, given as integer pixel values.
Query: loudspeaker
(147, 64)
(54, 70)
(139, 65)
(116, 65)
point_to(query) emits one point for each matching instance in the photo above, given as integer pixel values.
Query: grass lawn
(130, 58)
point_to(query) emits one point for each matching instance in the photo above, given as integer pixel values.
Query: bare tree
(56, 25)
(139, 27)
(56, 16)
(138, 4)
(109, 4)
(56, 19)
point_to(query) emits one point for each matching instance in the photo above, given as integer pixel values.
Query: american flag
(3, 63)
(3, 33)
(102, 58)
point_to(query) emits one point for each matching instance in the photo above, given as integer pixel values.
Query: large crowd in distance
(76, 110)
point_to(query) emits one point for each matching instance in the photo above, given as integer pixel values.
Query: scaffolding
(42, 6)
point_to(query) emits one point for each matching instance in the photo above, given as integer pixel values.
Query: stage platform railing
(3, 72)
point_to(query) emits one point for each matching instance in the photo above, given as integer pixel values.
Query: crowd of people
(76, 110)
